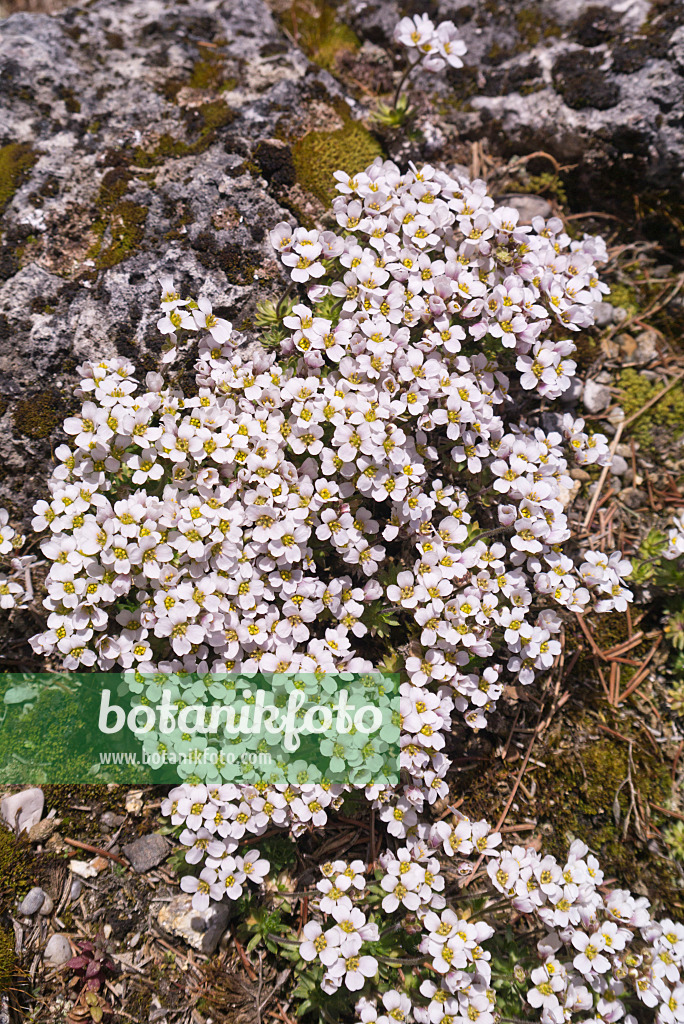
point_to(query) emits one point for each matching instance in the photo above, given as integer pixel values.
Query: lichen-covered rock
(142, 137)
(593, 82)
(596, 83)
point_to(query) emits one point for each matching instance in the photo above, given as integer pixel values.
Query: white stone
(57, 951)
(23, 810)
(619, 466)
(596, 397)
(83, 868)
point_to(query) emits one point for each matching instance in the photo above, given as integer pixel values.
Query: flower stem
(403, 78)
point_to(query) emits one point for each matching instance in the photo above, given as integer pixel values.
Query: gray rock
(374, 20)
(676, 51)
(527, 205)
(22, 810)
(32, 901)
(599, 83)
(57, 951)
(142, 156)
(573, 393)
(596, 397)
(76, 890)
(200, 929)
(633, 497)
(47, 907)
(604, 313)
(619, 466)
(646, 347)
(147, 852)
(112, 820)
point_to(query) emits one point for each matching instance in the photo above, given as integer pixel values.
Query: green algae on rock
(319, 154)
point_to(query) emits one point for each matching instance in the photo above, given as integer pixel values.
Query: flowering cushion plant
(375, 487)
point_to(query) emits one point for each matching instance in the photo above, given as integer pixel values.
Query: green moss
(319, 154)
(533, 26)
(664, 421)
(314, 26)
(113, 187)
(581, 792)
(624, 296)
(126, 223)
(209, 118)
(547, 183)
(38, 415)
(208, 73)
(16, 160)
(7, 959)
(216, 114)
(70, 101)
(16, 863)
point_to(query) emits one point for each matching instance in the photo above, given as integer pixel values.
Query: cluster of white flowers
(601, 953)
(432, 46)
(375, 477)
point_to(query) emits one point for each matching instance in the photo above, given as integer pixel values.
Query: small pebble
(111, 819)
(32, 901)
(76, 889)
(619, 466)
(57, 951)
(603, 313)
(147, 852)
(134, 803)
(596, 397)
(83, 868)
(48, 906)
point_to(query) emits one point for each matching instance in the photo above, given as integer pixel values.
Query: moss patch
(661, 423)
(7, 960)
(625, 297)
(533, 25)
(206, 120)
(582, 791)
(38, 415)
(114, 186)
(16, 869)
(237, 262)
(126, 223)
(207, 73)
(16, 160)
(319, 154)
(314, 26)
